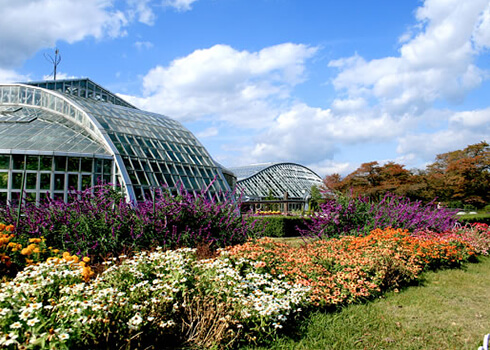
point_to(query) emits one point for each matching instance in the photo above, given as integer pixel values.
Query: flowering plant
(359, 216)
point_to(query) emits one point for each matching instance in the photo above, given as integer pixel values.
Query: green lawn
(448, 310)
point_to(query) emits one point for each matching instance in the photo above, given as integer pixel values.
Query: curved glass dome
(73, 133)
(275, 179)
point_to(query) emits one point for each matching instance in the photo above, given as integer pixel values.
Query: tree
(373, 180)
(462, 175)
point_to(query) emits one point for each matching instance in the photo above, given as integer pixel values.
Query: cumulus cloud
(10, 76)
(463, 128)
(307, 134)
(30, 25)
(380, 100)
(243, 88)
(436, 63)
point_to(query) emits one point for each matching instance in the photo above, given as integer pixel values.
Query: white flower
(10, 339)
(32, 322)
(135, 321)
(16, 325)
(64, 336)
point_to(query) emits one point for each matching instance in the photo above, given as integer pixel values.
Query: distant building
(260, 181)
(69, 134)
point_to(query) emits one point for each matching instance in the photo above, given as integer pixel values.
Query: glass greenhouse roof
(150, 150)
(262, 180)
(85, 88)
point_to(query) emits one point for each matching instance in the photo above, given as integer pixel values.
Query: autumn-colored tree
(462, 175)
(373, 180)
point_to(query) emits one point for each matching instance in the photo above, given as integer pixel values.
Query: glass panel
(142, 177)
(19, 161)
(59, 182)
(46, 163)
(60, 163)
(43, 196)
(107, 166)
(31, 179)
(32, 163)
(3, 197)
(45, 181)
(4, 162)
(169, 180)
(73, 181)
(31, 197)
(73, 164)
(86, 165)
(17, 180)
(86, 181)
(4, 177)
(98, 165)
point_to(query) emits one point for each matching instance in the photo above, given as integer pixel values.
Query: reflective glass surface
(261, 180)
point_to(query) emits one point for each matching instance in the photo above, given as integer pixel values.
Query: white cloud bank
(28, 26)
(240, 87)
(380, 100)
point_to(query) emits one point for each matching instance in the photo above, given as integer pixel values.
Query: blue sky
(327, 84)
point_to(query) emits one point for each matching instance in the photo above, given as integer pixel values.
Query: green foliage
(278, 226)
(315, 200)
(470, 219)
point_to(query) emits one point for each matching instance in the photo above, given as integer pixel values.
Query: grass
(447, 310)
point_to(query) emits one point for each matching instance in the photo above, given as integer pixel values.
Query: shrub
(277, 226)
(99, 222)
(475, 218)
(359, 216)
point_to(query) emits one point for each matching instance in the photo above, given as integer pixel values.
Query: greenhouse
(58, 136)
(274, 180)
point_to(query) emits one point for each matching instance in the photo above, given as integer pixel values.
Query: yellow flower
(86, 259)
(26, 251)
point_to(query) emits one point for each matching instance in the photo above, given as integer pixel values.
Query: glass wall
(45, 175)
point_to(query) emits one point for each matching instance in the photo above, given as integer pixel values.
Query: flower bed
(247, 293)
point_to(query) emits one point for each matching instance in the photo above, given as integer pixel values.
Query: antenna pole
(55, 61)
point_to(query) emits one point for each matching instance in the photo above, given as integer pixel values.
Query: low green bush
(278, 226)
(470, 219)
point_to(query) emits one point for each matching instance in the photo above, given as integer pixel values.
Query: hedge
(470, 219)
(278, 226)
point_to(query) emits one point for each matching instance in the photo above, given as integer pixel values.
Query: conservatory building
(261, 181)
(56, 136)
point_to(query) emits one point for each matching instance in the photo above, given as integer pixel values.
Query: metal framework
(72, 133)
(260, 181)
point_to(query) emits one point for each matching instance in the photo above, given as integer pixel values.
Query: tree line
(457, 179)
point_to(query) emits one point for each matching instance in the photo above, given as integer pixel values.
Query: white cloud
(10, 76)
(310, 135)
(328, 167)
(59, 76)
(437, 63)
(208, 132)
(240, 87)
(464, 128)
(180, 5)
(142, 9)
(142, 45)
(30, 25)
